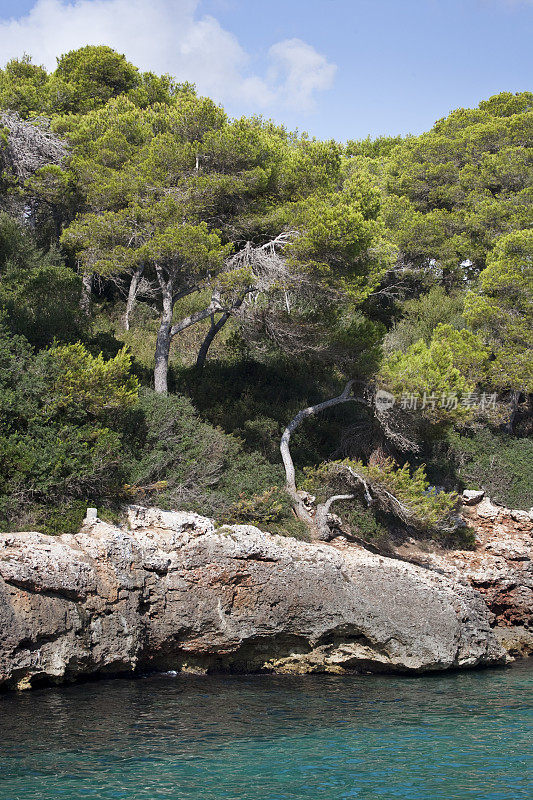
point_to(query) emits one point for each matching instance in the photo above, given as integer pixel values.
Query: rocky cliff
(500, 568)
(170, 592)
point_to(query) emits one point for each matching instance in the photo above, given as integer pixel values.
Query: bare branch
(30, 145)
(368, 496)
(336, 498)
(397, 433)
(290, 476)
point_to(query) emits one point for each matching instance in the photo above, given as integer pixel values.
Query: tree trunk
(515, 399)
(132, 295)
(317, 523)
(322, 513)
(162, 352)
(86, 290)
(167, 330)
(212, 332)
(164, 337)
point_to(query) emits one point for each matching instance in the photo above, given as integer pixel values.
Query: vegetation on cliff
(176, 286)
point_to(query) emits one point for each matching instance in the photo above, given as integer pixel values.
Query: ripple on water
(457, 736)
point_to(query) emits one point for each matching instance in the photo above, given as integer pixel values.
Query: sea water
(260, 737)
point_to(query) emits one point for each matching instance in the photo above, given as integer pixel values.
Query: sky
(340, 69)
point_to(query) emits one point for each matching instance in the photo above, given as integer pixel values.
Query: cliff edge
(169, 591)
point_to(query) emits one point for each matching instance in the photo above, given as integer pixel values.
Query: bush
(421, 316)
(39, 295)
(496, 462)
(65, 518)
(398, 494)
(177, 460)
(61, 419)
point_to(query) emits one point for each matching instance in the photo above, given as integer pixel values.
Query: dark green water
(465, 735)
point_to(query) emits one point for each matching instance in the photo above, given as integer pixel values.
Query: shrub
(496, 462)
(39, 295)
(421, 316)
(259, 509)
(399, 492)
(60, 428)
(179, 461)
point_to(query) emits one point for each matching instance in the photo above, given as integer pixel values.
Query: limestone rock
(517, 641)
(471, 497)
(171, 592)
(487, 509)
(520, 516)
(500, 567)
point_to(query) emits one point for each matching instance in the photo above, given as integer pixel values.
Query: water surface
(462, 735)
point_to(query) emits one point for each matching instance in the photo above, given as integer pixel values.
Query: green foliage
(91, 76)
(428, 236)
(463, 184)
(430, 508)
(53, 187)
(260, 509)
(380, 147)
(502, 309)
(22, 85)
(255, 399)
(176, 460)
(340, 241)
(89, 384)
(420, 317)
(451, 365)
(364, 523)
(85, 79)
(494, 461)
(38, 293)
(58, 519)
(423, 507)
(59, 441)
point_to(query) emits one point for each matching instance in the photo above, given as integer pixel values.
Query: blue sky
(337, 68)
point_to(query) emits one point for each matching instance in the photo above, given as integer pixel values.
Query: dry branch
(30, 145)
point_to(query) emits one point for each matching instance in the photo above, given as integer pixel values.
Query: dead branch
(30, 145)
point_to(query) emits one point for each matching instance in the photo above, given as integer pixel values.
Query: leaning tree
(384, 487)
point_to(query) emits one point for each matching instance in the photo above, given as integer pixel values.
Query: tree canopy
(150, 242)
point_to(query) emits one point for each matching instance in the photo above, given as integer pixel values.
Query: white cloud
(169, 36)
(300, 71)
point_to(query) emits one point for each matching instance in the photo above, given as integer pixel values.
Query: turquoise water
(463, 735)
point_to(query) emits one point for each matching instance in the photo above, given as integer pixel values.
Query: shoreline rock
(500, 568)
(173, 593)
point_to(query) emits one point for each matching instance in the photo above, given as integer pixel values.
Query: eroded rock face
(500, 568)
(171, 592)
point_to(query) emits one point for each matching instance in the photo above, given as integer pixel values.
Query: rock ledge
(171, 592)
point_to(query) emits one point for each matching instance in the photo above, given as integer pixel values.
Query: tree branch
(336, 498)
(198, 316)
(368, 496)
(290, 477)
